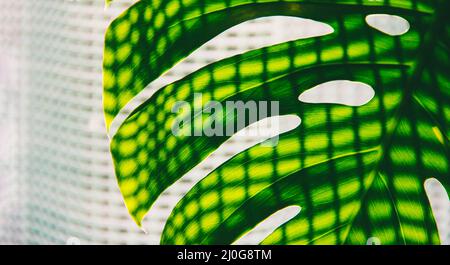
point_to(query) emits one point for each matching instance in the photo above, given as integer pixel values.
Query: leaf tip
(138, 220)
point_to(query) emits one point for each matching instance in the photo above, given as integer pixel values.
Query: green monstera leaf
(356, 171)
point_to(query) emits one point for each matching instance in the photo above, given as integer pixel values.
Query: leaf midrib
(408, 97)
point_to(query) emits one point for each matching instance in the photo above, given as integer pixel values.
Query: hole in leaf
(440, 205)
(246, 36)
(389, 24)
(268, 226)
(267, 128)
(339, 92)
(261, 32)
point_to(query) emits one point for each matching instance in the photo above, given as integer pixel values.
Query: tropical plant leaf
(151, 36)
(357, 172)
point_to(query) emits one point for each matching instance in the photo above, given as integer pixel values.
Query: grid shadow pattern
(356, 172)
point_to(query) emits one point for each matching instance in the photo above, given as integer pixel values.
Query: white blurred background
(56, 177)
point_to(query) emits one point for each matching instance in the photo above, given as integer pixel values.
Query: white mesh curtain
(56, 177)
